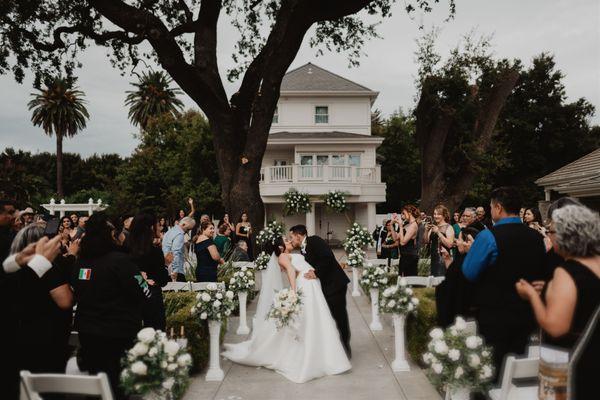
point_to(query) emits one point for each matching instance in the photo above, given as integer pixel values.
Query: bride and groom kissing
(319, 342)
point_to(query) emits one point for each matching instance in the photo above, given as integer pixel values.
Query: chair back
(32, 385)
(240, 264)
(471, 327)
(436, 280)
(517, 368)
(199, 286)
(424, 281)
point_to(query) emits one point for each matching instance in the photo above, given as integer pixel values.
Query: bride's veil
(271, 283)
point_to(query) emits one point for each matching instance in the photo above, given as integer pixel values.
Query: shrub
(419, 325)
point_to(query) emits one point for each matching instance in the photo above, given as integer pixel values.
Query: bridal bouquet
(155, 365)
(269, 233)
(374, 277)
(213, 303)
(286, 306)
(296, 202)
(335, 201)
(398, 299)
(261, 261)
(242, 280)
(458, 359)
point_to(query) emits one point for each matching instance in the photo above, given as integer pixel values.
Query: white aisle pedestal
(457, 393)
(214, 373)
(375, 322)
(400, 364)
(355, 279)
(243, 327)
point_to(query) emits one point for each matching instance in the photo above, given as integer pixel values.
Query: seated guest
(240, 253)
(151, 262)
(498, 258)
(573, 294)
(222, 240)
(453, 295)
(207, 254)
(45, 307)
(110, 293)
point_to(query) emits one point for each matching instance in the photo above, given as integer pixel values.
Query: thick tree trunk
(59, 166)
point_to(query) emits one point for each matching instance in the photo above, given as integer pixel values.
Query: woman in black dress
(150, 260)
(438, 235)
(243, 230)
(573, 294)
(407, 240)
(207, 254)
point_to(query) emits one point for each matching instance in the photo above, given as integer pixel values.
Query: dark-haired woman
(110, 293)
(243, 230)
(207, 254)
(533, 219)
(439, 235)
(407, 240)
(150, 260)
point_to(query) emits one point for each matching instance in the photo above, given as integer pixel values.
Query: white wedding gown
(311, 349)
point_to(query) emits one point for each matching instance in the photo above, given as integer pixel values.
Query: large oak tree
(42, 35)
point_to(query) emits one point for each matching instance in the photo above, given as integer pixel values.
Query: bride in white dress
(308, 350)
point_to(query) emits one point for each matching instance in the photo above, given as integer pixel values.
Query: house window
(321, 115)
(276, 115)
(354, 160)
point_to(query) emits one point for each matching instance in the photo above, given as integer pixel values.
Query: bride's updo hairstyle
(278, 246)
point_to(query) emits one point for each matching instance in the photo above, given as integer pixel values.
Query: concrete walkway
(371, 376)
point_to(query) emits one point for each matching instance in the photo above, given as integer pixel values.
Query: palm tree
(153, 97)
(59, 109)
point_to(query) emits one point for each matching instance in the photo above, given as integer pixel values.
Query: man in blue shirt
(498, 258)
(173, 247)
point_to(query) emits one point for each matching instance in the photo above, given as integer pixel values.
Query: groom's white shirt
(303, 246)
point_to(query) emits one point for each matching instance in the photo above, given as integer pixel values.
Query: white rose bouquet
(261, 261)
(155, 365)
(335, 201)
(269, 233)
(374, 277)
(398, 299)
(458, 359)
(296, 202)
(286, 306)
(213, 303)
(356, 258)
(242, 280)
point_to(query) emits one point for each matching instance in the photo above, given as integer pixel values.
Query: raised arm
(192, 208)
(285, 261)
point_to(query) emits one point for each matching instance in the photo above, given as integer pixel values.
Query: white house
(320, 140)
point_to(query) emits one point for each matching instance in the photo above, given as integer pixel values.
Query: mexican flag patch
(85, 274)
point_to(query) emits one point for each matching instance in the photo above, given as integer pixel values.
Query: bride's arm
(286, 262)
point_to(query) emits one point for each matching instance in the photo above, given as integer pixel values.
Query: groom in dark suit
(333, 279)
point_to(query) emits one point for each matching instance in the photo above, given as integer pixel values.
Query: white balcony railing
(320, 173)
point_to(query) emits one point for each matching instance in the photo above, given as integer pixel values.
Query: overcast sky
(522, 29)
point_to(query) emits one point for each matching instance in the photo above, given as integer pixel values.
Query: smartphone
(52, 226)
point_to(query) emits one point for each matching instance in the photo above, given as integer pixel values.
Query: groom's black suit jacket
(319, 255)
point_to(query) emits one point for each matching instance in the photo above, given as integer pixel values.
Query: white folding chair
(382, 262)
(240, 264)
(533, 351)
(424, 281)
(517, 368)
(198, 286)
(176, 287)
(436, 280)
(471, 327)
(34, 384)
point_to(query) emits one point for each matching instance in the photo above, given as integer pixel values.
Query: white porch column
(310, 220)
(371, 214)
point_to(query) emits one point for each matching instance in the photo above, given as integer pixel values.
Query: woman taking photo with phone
(439, 233)
(407, 241)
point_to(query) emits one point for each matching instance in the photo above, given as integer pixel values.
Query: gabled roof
(580, 178)
(312, 78)
(317, 137)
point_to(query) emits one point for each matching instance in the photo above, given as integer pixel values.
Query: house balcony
(360, 183)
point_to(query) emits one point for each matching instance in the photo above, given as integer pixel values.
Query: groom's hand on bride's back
(310, 275)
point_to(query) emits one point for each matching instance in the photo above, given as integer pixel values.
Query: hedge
(418, 326)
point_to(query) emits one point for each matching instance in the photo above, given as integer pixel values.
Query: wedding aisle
(371, 374)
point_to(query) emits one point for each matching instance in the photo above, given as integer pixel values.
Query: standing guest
(240, 253)
(66, 226)
(522, 214)
(26, 216)
(573, 294)
(182, 213)
(124, 235)
(389, 247)
(74, 219)
(222, 240)
(163, 226)
(453, 297)
(110, 293)
(7, 216)
(379, 235)
(80, 227)
(46, 307)
(173, 245)
(456, 224)
(482, 218)
(498, 259)
(207, 254)
(407, 240)
(225, 220)
(243, 230)
(439, 234)
(533, 219)
(151, 262)
(17, 224)
(470, 219)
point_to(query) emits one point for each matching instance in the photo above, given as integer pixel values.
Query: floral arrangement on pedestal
(242, 280)
(335, 200)
(286, 306)
(296, 202)
(356, 257)
(357, 238)
(374, 277)
(261, 261)
(398, 299)
(155, 366)
(214, 303)
(458, 360)
(269, 233)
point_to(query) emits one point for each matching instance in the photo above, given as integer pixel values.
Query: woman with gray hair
(573, 294)
(44, 311)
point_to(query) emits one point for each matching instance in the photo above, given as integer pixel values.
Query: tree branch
(186, 10)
